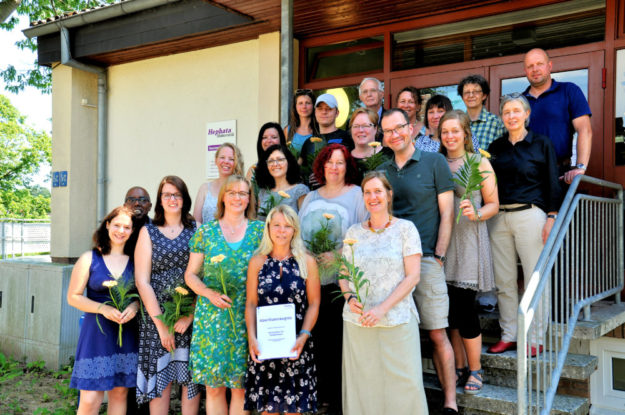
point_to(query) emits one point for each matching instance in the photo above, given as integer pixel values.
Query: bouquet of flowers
(306, 167)
(470, 177)
(351, 273)
(321, 242)
(121, 297)
(373, 161)
(180, 305)
(272, 202)
(223, 283)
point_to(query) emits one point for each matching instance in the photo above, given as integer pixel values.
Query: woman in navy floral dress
(282, 273)
(101, 364)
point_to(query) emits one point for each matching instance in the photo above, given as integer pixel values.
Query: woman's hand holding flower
(167, 340)
(354, 306)
(183, 324)
(372, 317)
(111, 313)
(129, 312)
(219, 300)
(467, 209)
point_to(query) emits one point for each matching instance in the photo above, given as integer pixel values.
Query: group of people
(424, 245)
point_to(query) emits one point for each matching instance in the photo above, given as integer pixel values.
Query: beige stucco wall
(158, 110)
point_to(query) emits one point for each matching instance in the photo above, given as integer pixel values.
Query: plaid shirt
(487, 128)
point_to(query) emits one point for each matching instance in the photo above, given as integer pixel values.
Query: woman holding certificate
(282, 273)
(381, 348)
(220, 251)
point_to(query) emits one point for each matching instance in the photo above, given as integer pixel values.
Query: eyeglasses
(469, 93)
(333, 164)
(273, 162)
(361, 127)
(140, 199)
(370, 91)
(397, 130)
(169, 196)
(242, 195)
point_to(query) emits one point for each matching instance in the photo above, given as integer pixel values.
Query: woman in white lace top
(381, 348)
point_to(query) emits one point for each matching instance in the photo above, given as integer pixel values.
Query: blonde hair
(238, 157)
(297, 244)
(373, 117)
(250, 212)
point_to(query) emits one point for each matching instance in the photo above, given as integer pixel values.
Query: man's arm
(446, 210)
(584, 145)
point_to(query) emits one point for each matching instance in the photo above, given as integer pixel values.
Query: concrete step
(494, 399)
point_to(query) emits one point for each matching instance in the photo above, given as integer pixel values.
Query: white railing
(19, 237)
(581, 263)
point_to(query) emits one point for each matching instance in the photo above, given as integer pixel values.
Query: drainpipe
(286, 59)
(66, 59)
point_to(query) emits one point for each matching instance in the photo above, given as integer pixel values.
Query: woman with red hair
(337, 204)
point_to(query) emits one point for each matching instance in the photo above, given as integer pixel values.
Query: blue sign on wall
(55, 179)
(63, 179)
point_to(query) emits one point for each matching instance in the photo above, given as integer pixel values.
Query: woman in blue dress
(218, 354)
(283, 273)
(101, 365)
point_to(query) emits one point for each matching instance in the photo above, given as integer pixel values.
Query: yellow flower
(181, 290)
(284, 194)
(349, 241)
(315, 140)
(374, 144)
(109, 284)
(217, 259)
(288, 143)
(485, 153)
(328, 216)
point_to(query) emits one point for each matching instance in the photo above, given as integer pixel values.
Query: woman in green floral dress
(218, 353)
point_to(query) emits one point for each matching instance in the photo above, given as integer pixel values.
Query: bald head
(138, 200)
(537, 68)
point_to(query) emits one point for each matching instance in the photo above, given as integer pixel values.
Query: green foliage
(121, 298)
(351, 273)
(37, 77)
(470, 177)
(321, 241)
(181, 305)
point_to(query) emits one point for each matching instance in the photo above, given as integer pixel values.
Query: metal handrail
(548, 321)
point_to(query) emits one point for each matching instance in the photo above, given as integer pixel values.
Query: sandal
(472, 387)
(462, 375)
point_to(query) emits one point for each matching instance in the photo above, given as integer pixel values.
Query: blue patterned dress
(283, 385)
(100, 363)
(219, 353)
(157, 366)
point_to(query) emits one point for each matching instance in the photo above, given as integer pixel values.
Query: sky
(37, 107)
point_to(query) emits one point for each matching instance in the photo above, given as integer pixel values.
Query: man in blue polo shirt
(423, 193)
(559, 110)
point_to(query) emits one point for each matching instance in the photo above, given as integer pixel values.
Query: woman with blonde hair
(229, 161)
(218, 353)
(281, 273)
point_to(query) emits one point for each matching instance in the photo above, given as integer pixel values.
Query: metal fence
(19, 237)
(581, 263)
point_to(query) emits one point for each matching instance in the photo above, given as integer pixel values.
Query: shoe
(501, 346)
(533, 352)
(472, 387)
(486, 308)
(449, 411)
(462, 376)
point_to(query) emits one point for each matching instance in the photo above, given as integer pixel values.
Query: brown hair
(101, 240)
(387, 185)
(373, 117)
(465, 123)
(159, 213)
(250, 212)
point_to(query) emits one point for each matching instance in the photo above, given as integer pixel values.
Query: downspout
(286, 59)
(66, 59)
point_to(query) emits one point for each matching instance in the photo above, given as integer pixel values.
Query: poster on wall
(217, 133)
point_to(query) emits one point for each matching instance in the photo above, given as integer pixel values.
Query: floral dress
(283, 385)
(218, 355)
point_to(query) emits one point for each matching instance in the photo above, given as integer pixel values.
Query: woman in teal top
(218, 353)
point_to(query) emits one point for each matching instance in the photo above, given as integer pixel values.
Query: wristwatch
(580, 166)
(441, 258)
(479, 215)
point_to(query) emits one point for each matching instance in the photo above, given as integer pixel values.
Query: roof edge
(93, 16)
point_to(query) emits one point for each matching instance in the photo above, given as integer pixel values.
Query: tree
(23, 151)
(37, 76)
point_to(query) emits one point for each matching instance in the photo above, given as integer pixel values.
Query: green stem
(119, 336)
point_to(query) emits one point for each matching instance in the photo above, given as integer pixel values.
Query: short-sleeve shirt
(335, 137)
(416, 187)
(294, 192)
(486, 128)
(553, 113)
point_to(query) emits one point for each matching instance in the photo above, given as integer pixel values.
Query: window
(347, 58)
(619, 110)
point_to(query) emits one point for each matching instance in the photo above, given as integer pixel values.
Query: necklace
(371, 228)
(455, 158)
(231, 229)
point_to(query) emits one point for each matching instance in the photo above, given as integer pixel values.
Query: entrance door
(583, 69)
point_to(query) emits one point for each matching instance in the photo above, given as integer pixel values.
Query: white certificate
(275, 331)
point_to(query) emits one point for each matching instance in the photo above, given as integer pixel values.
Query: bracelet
(352, 296)
(302, 331)
(552, 216)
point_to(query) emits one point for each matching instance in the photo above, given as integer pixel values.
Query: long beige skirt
(382, 370)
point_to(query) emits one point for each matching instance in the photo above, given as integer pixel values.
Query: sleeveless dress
(218, 355)
(157, 366)
(100, 363)
(283, 385)
(469, 262)
(209, 208)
